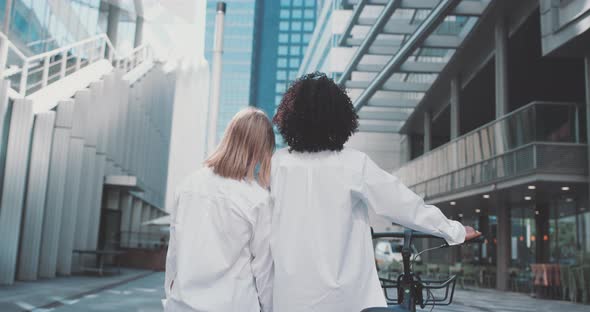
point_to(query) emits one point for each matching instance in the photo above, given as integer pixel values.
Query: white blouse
(321, 238)
(218, 256)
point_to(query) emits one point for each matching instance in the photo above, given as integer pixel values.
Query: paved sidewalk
(487, 300)
(45, 295)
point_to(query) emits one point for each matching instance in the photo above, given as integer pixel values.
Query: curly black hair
(316, 115)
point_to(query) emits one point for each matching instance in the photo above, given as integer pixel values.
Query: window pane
(294, 50)
(294, 62)
(283, 50)
(283, 38)
(282, 62)
(284, 13)
(309, 13)
(308, 26)
(296, 26)
(297, 13)
(284, 26)
(295, 38)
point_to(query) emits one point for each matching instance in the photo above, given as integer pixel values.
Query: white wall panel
(34, 208)
(58, 169)
(13, 188)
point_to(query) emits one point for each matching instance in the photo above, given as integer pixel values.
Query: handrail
(489, 124)
(16, 51)
(99, 43)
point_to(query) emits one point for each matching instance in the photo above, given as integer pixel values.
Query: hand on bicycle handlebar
(471, 233)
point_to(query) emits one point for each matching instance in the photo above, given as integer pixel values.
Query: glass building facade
(238, 56)
(37, 26)
(264, 43)
(287, 27)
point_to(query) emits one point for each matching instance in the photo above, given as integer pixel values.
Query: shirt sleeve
(388, 197)
(171, 268)
(262, 263)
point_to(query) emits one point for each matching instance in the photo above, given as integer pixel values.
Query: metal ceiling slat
(388, 10)
(390, 102)
(467, 8)
(395, 86)
(370, 125)
(422, 33)
(407, 67)
(433, 41)
(356, 13)
(384, 113)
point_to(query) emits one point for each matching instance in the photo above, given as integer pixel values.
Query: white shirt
(321, 238)
(218, 256)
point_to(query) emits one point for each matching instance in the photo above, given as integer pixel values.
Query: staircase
(84, 131)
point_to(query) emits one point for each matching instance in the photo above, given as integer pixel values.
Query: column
(587, 83)
(58, 170)
(427, 132)
(455, 102)
(13, 187)
(503, 242)
(138, 31)
(126, 205)
(501, 63)
(32, 224)
(113, 23)
(144, 229)
(73, 186)
(136, 222)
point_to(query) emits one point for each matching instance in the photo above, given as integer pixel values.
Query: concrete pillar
(32, 224)
(138, 31)
(126, 206)
(501, 63)
(455, 107)
(99, 165)
(427, 132)
(4, 122)
(587, 83)
(13, 187)
(58, 168)
(503, 242)
(143, 229)
(113, 23)
(136, 221)
(72, 188)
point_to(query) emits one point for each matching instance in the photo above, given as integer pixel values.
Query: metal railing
(507, 147)
(30, 74)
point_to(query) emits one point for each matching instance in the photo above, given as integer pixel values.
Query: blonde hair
(248, 141)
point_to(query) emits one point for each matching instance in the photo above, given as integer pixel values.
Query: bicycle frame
(409, 286)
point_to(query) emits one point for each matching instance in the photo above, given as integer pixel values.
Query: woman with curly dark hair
(321, 237)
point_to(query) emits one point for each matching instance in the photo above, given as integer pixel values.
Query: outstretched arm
(388, 197)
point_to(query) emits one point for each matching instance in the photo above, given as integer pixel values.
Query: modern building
(285, 27)
(488, 103)
(264, 43)
(84, 135)
(238, 56)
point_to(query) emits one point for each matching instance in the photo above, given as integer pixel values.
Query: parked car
(388, 254)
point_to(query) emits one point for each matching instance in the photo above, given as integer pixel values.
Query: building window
(284, 13)
(292, 75)
(294, 50)
(281, 88)
(296, 38)
(283, 38)
(296, 26)
(294, 62)
(306, 38)
(282, 62)
(297, 13)
(283, 50)
(285, 3)
(281, 75)
(284, 26)
(297, 3)
(308, 26)
(309, 14)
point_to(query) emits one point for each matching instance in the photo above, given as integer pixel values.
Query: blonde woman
(218, 257)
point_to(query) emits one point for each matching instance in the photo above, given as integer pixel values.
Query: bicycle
(410, 287)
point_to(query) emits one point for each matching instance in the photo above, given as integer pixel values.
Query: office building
(488, 104)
